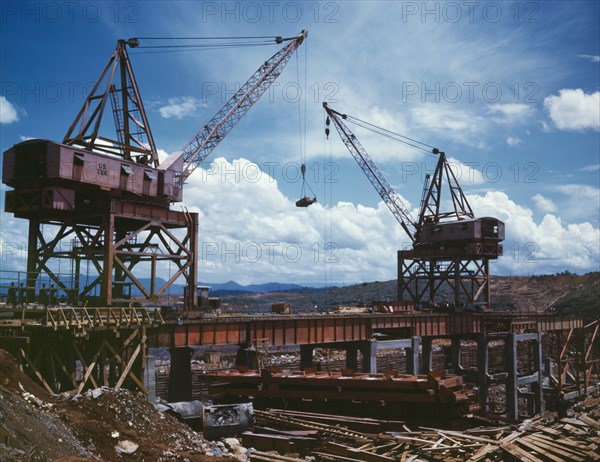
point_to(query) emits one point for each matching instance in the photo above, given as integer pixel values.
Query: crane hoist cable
(207, 43)
(305, 200)
(390, 134)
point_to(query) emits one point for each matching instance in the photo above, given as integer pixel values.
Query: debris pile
(123, 422)
(576, 438)
(100, 424)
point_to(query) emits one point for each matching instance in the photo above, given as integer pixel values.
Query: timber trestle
(73, 349)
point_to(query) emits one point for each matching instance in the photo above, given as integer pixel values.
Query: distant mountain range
(216, 289)
(232, 288)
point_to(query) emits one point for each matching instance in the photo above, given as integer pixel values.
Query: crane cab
(476, 235)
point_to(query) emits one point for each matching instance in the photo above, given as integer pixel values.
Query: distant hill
(565, 293)
(225, 289)
(233, 288)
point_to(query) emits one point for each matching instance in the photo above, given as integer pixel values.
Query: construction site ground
(119, 425)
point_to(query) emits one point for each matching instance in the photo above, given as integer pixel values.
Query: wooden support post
(539, 386)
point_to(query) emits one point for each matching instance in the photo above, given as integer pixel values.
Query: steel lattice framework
(208, 138)
(375, 176)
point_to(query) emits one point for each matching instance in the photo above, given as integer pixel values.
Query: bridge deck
(299, 329)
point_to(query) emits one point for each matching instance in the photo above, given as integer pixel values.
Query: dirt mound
(30, 427)
(102, 424)
(117, 421)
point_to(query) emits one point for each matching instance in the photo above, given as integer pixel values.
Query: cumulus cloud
(544, 204)
(574, 109)
(181, 107)
(465, 173)
(250, 231)
(8, 111)
(545, 247)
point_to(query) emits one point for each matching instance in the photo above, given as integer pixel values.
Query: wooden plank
(519, 453)
(547, 451)
(589, 421)
(36, 372)
(352, 453)
(556, 447)
(483, 452)
(563, 441)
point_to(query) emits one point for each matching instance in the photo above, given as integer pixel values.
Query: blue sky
(509, 90)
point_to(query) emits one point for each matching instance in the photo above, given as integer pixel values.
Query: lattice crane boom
(375, 176)
(209, 137)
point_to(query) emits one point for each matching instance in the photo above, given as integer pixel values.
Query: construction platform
(78, 348)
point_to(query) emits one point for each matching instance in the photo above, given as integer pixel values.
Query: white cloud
(452, 123)
(591, 168)
(544, 204)
(26, 138)
(250, 229)
(465, 173)
(580, 191)
(574, 109)
(545, 247)
(251, 232)
(181, 107)
(513, 141)
(509, 112)
(592, 58)
(582, 200)
(8, 111)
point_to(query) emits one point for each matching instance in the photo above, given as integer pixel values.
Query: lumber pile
(298, 434)
(434, 397)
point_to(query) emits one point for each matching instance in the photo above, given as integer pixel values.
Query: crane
(435, 227)
(134, 152)
(449, 247)
(111, 197)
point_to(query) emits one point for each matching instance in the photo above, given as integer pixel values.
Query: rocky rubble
(102, 425)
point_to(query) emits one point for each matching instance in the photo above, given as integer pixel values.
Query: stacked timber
(432, 397)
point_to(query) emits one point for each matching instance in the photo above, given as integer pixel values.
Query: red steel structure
(103, 204)
(449, 247)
